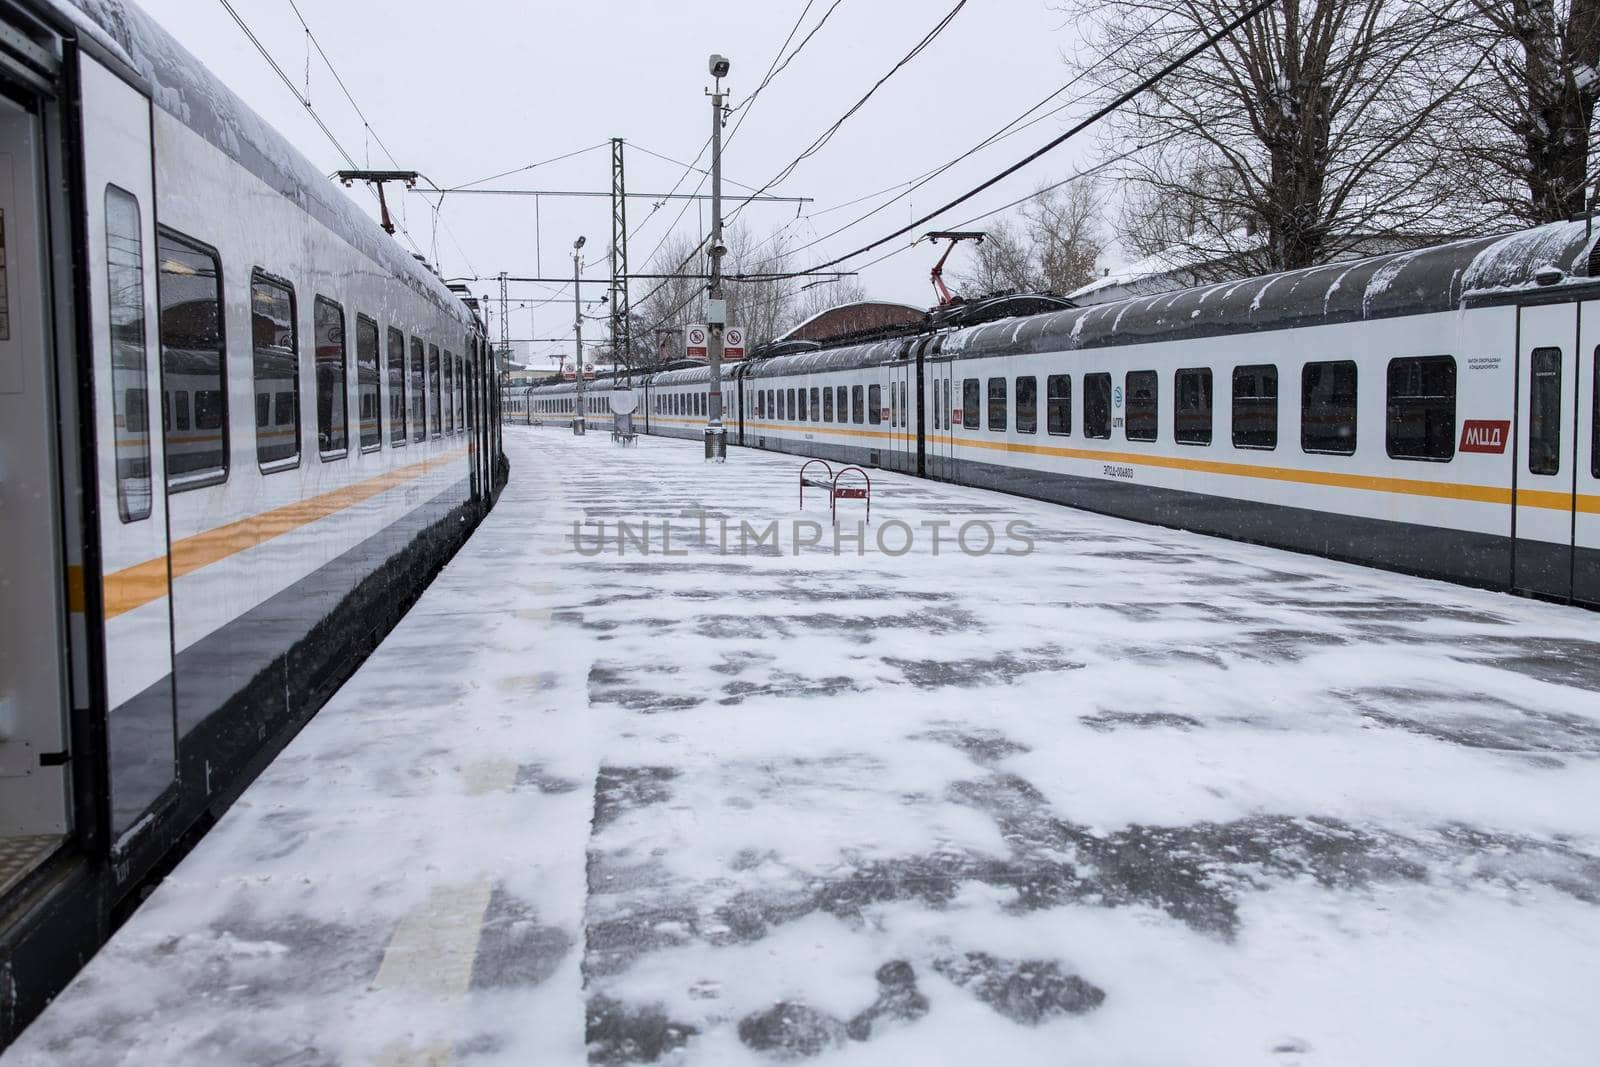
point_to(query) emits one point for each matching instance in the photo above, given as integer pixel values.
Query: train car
(239, 431)
(1435, 411)
(556, 404)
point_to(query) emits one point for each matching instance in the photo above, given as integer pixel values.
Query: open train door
(131, 498)
(38, 557)
(1547, 445)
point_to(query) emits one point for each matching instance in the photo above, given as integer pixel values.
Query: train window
(1255, 406)
(1097, 406)
(827, 405)
(461, 395)
(1058, 404)
(1594, 420)
(1194, 406)
(193, 357)
(419, 391)
(894, 405)
(801, 416)
(905, 408)
(275, 348)
(842, 404)
(858, 405)
(948, 410)
(969, 403)
(449, 393)
(816, 405)
(1544, 407)
(1143, 405)
(332, 358)
(435, 398)
(180, 410)
(997, 404)
(788, 404)
(761, 404)
(1028, 405)
(367, 399)
(1328, 407)
(397, 387)
(130, 395)
(1421, 419)
(874, 404)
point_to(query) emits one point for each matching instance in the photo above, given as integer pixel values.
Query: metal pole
(577, 332)
(716, 439)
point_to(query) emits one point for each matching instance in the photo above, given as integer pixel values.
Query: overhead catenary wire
(1116, 103)
(911, 185)
(827, 135)
(304, 101)
(773, 69)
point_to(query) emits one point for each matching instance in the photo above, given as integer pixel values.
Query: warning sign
(733, 343)
(695, 341)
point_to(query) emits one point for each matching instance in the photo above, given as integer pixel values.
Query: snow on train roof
(183, 87)
(1418, 282)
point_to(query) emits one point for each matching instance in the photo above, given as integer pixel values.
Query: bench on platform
(831, 484)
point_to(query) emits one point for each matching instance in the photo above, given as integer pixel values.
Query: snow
(1137, 797)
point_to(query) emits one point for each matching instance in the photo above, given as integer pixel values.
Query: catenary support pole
(716, 317)
(577, 335)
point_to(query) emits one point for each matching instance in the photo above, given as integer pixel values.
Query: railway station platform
(988, 781)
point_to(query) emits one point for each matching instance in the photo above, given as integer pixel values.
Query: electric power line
(827, 135)
(1122, 98)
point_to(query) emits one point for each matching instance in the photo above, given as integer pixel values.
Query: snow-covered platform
(1101, 794)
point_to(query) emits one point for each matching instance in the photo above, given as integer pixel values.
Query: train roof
(1418, 282)
(183, 87)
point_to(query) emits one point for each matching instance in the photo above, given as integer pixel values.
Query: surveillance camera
(579, 242)
(719, 250)
(719, 66)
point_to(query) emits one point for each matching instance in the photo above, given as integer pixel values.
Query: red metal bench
(836, 492)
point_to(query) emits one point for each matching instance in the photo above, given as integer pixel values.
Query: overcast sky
(464, 90)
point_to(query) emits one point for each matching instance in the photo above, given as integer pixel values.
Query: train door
(1586, 516)
(34, 576)
(131, 472)
(919, 417)
(1546, 459)
(941, 458)
(900, 452)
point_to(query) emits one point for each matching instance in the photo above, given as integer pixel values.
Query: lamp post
(577, 330)
(716, 315)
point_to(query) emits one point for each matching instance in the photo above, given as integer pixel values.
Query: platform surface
(1132, 796)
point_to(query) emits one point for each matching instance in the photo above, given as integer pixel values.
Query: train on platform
(240, 430)
(1434, 411)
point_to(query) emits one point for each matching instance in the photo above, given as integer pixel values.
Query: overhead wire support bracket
(378, 178)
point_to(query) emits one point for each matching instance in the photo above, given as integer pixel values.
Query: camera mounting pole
(716, 307)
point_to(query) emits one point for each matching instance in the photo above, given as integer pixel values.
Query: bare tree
(762, 305)
(1520, 134)
(1290, 142)
(1051, 246)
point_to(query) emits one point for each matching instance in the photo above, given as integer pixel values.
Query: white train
(1435, 412)
(239, 431)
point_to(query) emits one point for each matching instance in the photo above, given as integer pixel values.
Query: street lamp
(716, 317)
(577, 329)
